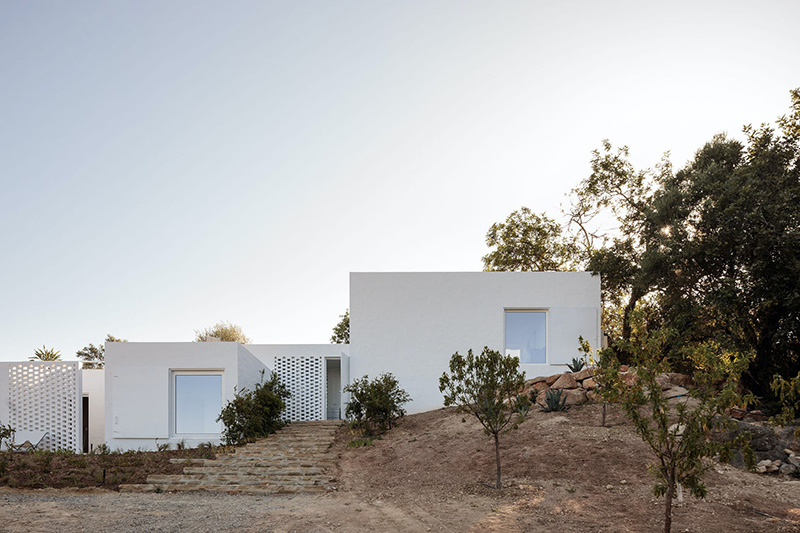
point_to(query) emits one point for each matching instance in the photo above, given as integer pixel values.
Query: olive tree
(487, 386)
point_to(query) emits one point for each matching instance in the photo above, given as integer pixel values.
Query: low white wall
(410, 324)
(139, 412)
(94, 388)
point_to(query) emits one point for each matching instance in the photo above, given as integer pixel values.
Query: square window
(526, 336)
(198, 403)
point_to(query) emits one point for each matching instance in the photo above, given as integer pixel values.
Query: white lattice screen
(304, 378)
(44, 397)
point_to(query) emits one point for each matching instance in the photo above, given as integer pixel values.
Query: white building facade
(408, 324)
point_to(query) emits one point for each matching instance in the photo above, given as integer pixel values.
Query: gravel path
(51, 510)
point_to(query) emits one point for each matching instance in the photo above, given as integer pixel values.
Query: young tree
(487, 387)
(95, 356)
(341, 332)
(224, 331)
(528, 242)
(679, 433)
(251, 415)
(45, 354)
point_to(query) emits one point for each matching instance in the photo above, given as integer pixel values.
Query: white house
(408, 324)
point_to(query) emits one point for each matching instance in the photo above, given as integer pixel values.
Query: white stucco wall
(94, 388)
(410, 324)
(139, 396)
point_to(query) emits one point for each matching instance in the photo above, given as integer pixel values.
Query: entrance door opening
(333, 389)
(85, 423)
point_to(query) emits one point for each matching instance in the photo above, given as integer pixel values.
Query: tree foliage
(376, 406)
(45, 354)
(95, 356)
(528, 242)
(678, 434)
(224, 331)
(341, 331)
(487, 386)
(252, 415)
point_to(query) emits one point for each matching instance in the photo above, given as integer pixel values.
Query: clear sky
(167, 165)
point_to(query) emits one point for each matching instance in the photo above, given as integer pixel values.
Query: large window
(198, 402)
(526, 335)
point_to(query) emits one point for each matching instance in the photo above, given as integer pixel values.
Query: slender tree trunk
(603, 424)
(668, 506)
(497, 457)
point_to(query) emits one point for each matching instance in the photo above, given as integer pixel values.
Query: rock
(765, 462)
(540, 386)
(663, 382)
(735, 412)
(674, 392)
(678, 429)
(575, 396)
(761, 469)
(681, 380)
(787, 469)
(552, 379)
(787, 451)
(583, 374)
(589, 384)
(629, 378)
(623, 368)
(566, 381)
(793, 459)
(772, 468)
(594, 396)
(756, 416)
(537, 379)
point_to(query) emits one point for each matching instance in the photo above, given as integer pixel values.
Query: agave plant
(46, 354)
(577, 364)
(554, 400)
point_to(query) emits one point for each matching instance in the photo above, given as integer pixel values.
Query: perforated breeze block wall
(45, 397)
(304, 377)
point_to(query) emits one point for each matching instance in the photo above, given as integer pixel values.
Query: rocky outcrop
(581, 387)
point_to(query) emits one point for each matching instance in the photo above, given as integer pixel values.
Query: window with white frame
(197, 402)
(526, 335)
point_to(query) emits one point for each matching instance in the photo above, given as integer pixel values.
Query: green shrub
(254, 414)
(359, 442)
(6, 434)
(375, 406)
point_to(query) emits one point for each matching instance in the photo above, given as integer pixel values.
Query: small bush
(163, 447)
(6, 434)
(359, 442)
(254, 414)
(377, 405)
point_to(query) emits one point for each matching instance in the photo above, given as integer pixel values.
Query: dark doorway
(85, 424)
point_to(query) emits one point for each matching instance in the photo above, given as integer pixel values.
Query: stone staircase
(298, 458)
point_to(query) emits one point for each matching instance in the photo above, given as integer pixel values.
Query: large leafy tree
(341, 331)
(728, 227)
(95, 356)
(224, 331)
(527, 242)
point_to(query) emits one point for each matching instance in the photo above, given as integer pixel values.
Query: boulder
(583, 374)
(735, 412)
(594, 396)
(540, 386)
(664, 382)
(681, 380)
(575, 396)
(552, 379)
(629, 378)
(793, 459)
(566, 381)
(787, 469)
(674, 392)
(756, 416)
(537, 379)
(589, 384)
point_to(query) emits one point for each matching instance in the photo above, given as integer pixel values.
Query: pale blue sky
(166, 165)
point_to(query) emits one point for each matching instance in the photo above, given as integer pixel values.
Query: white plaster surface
(139, 387)
(94, 388)
(410, 324)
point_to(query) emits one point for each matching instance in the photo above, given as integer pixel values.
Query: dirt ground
(561, 472)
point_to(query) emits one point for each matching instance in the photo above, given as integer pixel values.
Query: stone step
(295, 459)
